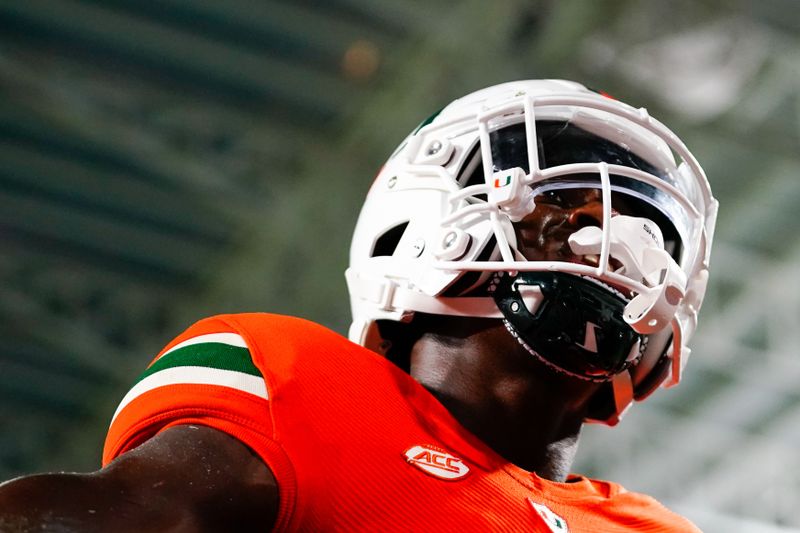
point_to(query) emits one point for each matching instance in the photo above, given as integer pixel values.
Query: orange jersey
(356, 444)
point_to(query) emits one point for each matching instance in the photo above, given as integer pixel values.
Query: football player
(531, 258)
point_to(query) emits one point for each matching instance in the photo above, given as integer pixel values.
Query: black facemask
(578, 328)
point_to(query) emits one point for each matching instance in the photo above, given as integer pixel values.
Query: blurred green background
(161, 161)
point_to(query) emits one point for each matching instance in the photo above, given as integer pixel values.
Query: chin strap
(637, 244)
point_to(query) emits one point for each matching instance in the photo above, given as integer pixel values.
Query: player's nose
(588, 214)
(587, 209)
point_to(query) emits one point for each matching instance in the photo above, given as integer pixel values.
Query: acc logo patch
(553, 521)
(436, 462)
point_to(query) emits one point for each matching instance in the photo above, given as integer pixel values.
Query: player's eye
(564, 198)
(553, 197)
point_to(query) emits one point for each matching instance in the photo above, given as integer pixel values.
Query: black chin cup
(577, 328)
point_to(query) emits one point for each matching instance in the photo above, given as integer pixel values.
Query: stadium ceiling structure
(164, 160)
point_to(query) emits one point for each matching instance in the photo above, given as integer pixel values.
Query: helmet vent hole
(387, 243)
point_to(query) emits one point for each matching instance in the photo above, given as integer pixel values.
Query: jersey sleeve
(205, 376)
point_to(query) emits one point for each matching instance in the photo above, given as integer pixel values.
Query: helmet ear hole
(387, 243)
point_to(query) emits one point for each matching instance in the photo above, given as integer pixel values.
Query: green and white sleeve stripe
(221, 359)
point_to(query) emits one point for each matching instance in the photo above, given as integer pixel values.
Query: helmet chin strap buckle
(637, 243)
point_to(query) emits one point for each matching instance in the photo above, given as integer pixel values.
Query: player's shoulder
(273, 340)
(641, 512)
(231, 365)
(271, 324)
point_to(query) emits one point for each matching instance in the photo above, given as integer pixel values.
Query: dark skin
(186, 479)
(198, 479)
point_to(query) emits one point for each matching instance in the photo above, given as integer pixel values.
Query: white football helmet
(437, 234)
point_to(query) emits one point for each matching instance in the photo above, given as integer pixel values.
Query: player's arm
(187, 478)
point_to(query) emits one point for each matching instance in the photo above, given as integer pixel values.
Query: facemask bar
(536, 174)
(687, 234)
(527, 104)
